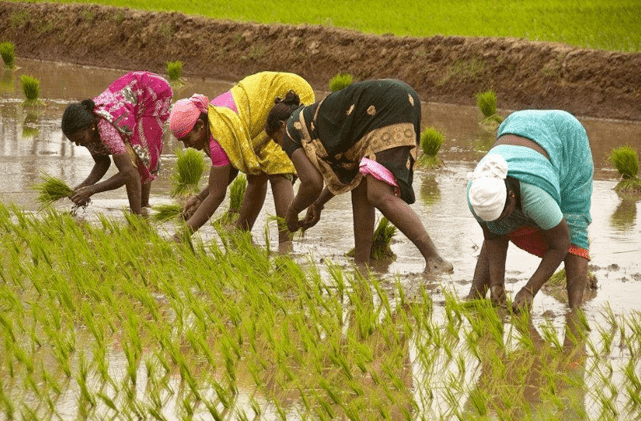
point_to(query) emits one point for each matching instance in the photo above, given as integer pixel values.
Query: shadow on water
(32, 143)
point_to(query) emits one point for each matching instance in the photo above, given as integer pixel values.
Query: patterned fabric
(137, 106)
(378, 120)
(566, 176)
(241, 132)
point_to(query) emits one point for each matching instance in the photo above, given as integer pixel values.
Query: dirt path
(442, 69)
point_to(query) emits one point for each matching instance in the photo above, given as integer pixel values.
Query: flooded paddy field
(317, 340)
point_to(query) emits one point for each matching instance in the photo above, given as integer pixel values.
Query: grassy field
(614, 25)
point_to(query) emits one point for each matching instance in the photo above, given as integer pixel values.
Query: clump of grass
(51, 189)
(174, 70)
(486, 102)
(166, 212)
(431, 142)
(340, 81)
(626, 161)
(187, 172)
(7, 52)
(31, 90)
(381, 240)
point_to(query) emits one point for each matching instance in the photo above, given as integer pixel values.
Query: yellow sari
(242, 136)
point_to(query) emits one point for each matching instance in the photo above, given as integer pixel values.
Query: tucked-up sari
(237, 121)
(567, 176)
(378, 120)
(133, 111)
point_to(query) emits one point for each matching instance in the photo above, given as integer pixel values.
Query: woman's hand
(312, 216)
(81, 195)
(523, 300)
(293, 224)
(190, 207)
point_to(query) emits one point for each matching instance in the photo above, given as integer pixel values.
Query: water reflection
(430, 193)
(624, 216)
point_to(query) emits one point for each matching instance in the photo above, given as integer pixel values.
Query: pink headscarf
(185, 113)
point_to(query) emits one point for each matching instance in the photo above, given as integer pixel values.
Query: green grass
(7, 53)
(31, 90)
(340, 81)
(612, 25)
(189, 168)
(126, 324)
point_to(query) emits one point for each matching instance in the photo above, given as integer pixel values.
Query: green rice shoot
(31, 90)
(237, 190)
(486, 102)
(189, 168)
(340, 81)
(166, 212)
(431, 142)
(51, 189)
(174, 70)
(8, 54)
(381, 241)
(626, 161)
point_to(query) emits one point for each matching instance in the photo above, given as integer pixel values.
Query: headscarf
(185, 113)
(487, 192)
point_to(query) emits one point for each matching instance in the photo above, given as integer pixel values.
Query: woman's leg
(381, 195)
(364, 215)
(576, 273)
(283, 191)
(144, 194)
(253, 201)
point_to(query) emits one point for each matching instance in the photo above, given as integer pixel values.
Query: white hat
(488, 193)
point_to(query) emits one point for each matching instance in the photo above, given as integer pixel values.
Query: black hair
(77, 116)
(281, 111)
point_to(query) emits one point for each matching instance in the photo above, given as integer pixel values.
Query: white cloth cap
(488, 193)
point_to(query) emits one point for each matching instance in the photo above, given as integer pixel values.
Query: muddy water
(31, 142)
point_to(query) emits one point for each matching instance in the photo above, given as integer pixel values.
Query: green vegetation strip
(612, 25)
(121, 323)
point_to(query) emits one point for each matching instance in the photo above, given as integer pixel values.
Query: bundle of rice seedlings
(174, 70)
(8, 54)
(486, 102)
(340, 81)
(237, 191)
(51, 189)
(431, 142)
(189, 169)
(166, 212)
(31, 90)
(381, 240)
(626, 161)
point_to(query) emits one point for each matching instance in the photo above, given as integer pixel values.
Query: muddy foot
(436, 265)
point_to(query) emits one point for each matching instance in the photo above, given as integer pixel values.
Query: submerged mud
(524, 74)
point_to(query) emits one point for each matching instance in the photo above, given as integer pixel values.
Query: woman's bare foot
(436, 265)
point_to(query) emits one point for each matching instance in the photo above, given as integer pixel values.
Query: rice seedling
(189, 168)
(626, 161)
(31, 90)
(237, 190)
(486, 103)
(340, 81)
(381, 240)
(166, 212)
(174, 70)
(7, 52)
(431, 142)
(51, 189)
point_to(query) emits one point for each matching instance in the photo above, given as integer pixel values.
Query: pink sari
(136, 107)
